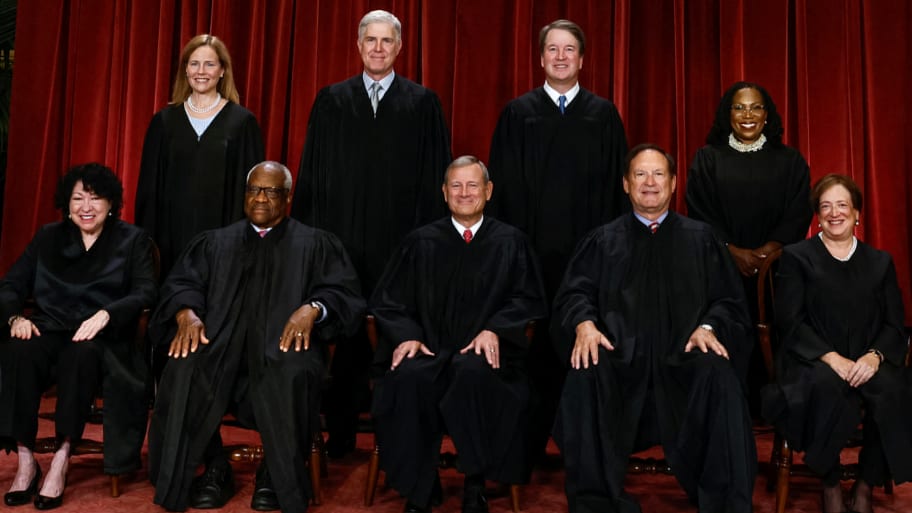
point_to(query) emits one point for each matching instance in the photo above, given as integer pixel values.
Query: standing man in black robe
(244, 313)
(376, 145)
(557, 156)
(652, 318)
(452, 309)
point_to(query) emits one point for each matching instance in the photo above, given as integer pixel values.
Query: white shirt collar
(460, 228)
(385, 82)
(554, 95)
(647, 222)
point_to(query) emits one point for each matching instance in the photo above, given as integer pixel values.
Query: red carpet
(88, 489)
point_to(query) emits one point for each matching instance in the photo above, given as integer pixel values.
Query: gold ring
(300, 333)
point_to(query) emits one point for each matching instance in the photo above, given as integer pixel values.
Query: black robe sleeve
(750, 198)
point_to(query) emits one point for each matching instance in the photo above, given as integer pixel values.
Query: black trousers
(29, 367)
(485, 412)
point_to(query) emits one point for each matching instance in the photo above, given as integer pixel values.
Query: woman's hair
(721, 128)
(828, 182)
(225, 85)
(97, 179)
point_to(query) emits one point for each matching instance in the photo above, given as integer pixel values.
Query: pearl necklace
(749, 147)
(203, 110)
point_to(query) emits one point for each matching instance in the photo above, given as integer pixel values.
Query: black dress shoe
(44, 503)
(264, 495)
(474, 500)
(22, 497)
(411, 507)
(213, 489)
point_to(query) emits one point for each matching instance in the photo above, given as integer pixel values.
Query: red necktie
(262, 233)
(653, 226)
(467, 235)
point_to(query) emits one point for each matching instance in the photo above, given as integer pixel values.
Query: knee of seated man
(418, 370)
(79, 351)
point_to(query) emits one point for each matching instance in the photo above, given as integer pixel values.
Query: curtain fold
(90, 75)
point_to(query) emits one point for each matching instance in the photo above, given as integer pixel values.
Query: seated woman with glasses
(89, 277)
(840, 316)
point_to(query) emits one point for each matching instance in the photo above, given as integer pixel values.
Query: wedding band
(756, 270)
(300, 333)
(492, 350)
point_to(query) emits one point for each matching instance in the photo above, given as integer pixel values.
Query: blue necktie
(562, 103)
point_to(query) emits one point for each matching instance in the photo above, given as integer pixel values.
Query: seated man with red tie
(652, 319)
(452, 309)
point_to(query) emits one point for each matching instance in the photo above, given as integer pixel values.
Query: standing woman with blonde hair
(196, 152)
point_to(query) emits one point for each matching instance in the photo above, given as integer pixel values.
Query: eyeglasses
(271, 192)
(744, 109)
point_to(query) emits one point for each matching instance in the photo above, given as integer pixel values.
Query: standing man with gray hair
(376, 147)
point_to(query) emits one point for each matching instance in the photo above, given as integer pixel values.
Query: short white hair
(380, 16)
(273, 164)
(466, 161)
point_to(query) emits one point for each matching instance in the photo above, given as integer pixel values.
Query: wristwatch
(877, 353)
(708, 328)
(316, 306)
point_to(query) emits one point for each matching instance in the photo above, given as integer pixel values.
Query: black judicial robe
(188, 184)
(69, 285)
(443, 292)
(558, 176)
(647, 293)
(823, 305)
(371, 180)
(751, 198)
(244, 288)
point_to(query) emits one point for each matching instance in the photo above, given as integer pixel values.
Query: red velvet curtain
(89, 75)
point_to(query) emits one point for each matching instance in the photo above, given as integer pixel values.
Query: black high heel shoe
(45, 503)
(22, 497)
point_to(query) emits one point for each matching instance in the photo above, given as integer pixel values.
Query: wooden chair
(251, 453)
(781, 466)
(86, 445)
(447, 459)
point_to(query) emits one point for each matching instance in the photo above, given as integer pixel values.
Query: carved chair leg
(115, 486)
(782, 481)
(373, 471)
(514, 497)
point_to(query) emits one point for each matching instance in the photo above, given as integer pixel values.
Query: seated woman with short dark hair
(89, 276)
(840, 316)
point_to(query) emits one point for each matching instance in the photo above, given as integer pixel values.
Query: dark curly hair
(95, 178)
(718, 133)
